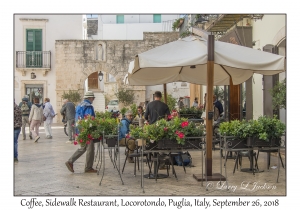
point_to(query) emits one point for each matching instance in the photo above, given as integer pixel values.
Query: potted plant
(230, 131)
(92, 128)
(265, 131)
(192, 112)
(174, 133)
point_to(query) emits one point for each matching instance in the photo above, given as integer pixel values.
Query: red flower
(184, 124)
(181, 135)
(75, 142)
(89, 136)
(165, 128)
(170, 117)
(177, 132)
(81, 140)
(92, 117)
(88, 142)
(127, 136)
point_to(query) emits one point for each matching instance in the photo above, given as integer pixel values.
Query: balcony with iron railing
(33, 61)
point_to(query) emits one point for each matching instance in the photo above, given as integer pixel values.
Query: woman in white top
(36, 118)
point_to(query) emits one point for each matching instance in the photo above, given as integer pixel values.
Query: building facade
(35, 66)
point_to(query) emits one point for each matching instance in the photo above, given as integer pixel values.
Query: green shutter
(156, 18)
(33, 40)
(120, 18)
(38, 40)
(34, 47)
(29, 40)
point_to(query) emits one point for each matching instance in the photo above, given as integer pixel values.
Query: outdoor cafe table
(155, 151)
(224, 146)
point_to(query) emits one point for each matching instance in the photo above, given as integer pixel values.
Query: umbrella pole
(165, 93)
(209, 104)
(209, 176)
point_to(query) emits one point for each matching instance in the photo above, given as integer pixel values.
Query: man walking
(84, 108)
(49, 114)
(156, 109)
(68, 109)
(25, 107)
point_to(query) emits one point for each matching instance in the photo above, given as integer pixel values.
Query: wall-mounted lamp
(100, 76)
(33, 76)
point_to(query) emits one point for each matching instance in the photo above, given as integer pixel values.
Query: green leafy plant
(278, 93)
(125, 96)
(133, 108)
(91, 128)
(73, 96)
(171, 101)
(177, 23)
(196, 112)
(177, 129)
(123, 111)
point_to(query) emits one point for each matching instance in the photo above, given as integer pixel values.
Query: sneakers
(36, 139)
(69, 141)
(91, 171)
(69, 166)
(48, 137)
(30, 136)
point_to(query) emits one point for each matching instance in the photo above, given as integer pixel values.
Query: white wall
(58, 27)
(132, 29)
(174, 89)
(264, 32)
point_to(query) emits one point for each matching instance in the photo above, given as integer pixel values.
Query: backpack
(25, 109)
(186, 159)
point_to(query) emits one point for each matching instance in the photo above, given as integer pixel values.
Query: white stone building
(131, 27)
(34, 51)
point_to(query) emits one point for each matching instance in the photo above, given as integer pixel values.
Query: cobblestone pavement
(41, 171)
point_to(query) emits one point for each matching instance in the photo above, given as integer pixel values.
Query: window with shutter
(34, 48)
(120, 19)
(156, 18)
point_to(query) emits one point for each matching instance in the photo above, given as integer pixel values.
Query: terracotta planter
(256, 142)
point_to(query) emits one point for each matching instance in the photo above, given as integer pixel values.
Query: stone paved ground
(41, 171)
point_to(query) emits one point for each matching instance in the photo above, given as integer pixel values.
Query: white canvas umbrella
(186, 60)
(200, 61)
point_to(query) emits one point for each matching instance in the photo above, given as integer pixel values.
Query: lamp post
(100, 76)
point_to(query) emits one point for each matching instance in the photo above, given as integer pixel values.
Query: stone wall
(77, 59)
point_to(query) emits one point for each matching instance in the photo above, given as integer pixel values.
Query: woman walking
(36, 118)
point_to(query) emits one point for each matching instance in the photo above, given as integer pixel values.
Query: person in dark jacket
(17, 129)
(156, 109)
(25, 107)
(124, 131)
(88, 109)
(68, 110)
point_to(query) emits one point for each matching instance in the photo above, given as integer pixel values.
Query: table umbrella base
(159, 176)
(213, 177)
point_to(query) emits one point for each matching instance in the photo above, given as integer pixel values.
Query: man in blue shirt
(124, 131)
(84, 108)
